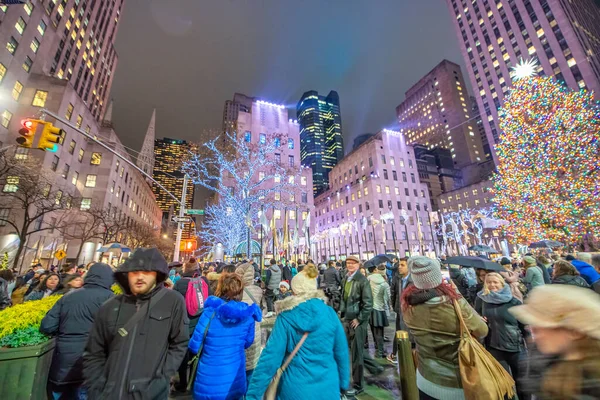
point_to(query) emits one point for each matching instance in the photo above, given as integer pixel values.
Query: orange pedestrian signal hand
(27, 132)
(51, 138)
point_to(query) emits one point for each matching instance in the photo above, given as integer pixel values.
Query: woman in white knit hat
(565, 325)
(428, 311)
(321, 367)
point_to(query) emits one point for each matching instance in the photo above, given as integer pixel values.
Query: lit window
(387, 190)
(27, 64)
(277, 196)
(366, 191)
(12, 45)
(397, 190)
(81, 154)
(378, 189)
(303, 181)
(247, 136)
(86, 204)
(79, 121)
(291, 180)
(20, 25)
(12, 184)
(277, 179)
(261, 176)
(571, 62)
(277, 214)
(69, 112)
(28, 8)
(42, 28)
(6, 117)
(292, 214)
(2, 72)
(290, 143)
(76, 177)
(39, 100)
(96, 159)
(262, 138)
(17, 89)
(292, 198)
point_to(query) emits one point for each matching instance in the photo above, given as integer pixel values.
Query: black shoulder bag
(194, 361)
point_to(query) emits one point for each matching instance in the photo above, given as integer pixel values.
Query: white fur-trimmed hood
(294, 301)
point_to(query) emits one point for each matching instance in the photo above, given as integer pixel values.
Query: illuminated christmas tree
(548, 180)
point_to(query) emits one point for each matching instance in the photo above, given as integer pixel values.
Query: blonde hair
(486, 289)
(311, 271)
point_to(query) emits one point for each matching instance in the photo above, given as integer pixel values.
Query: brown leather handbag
(271, 393)
(481, 374)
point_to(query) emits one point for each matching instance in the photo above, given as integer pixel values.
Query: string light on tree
(548, 179)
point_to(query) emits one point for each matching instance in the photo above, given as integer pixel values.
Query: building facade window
(247, 136)
(2, 72)
(35, 45)
(27, 64)
(69, 112)
(75, 178)
(17, 89)
(90, 181)
(79, 121)
(96, 158)
(11, 185)
(20, 25)
(86, 203)
(39, 99)
(65, 171)
(42, 27)
(55, 161)
(12, 45)
(6, 117)
(81, 154)
(290, 143)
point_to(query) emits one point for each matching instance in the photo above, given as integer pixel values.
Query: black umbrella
(175, 264)
(545, 244)
(379, 259)
(474, 262)
(481, 248)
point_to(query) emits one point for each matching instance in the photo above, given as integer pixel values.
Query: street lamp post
(374, 237)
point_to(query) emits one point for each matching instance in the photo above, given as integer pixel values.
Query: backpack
(197, 292)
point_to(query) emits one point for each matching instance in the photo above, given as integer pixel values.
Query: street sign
(194, 212)
(60, 254)
(184, 220)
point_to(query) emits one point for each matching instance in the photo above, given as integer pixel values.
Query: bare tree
(85, 226)
(29, 196)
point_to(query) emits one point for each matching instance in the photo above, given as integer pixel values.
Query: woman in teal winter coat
(321, 368)
(221, 371)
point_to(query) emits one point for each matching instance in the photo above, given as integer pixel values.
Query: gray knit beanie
(426, 273)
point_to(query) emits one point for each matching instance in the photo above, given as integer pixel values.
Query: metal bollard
(406, 368)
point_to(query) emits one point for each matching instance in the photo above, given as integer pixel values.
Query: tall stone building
(437, 112)
(321, 140)
(563, 36)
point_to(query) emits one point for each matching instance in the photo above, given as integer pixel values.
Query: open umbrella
(545, 244)
(482, 248)
(474, 262)
(175, 264)
(113, 248)
(379, 259)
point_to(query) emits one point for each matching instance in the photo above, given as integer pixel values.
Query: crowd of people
(196, 327)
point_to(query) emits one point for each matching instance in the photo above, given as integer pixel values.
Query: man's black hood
(99, 274)
(142, 259)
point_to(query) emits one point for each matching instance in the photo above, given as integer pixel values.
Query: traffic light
(27, 132)
(51, 138)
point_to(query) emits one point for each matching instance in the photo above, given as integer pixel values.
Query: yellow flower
(25, 315)
(116, 289)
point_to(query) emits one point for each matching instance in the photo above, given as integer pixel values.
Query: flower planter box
(24, 371)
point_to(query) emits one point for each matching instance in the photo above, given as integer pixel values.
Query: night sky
(186, 57)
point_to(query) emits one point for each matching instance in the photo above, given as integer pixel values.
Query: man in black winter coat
(139, 338)
(331, 284)
(400, 281)
(70, 320)
(286, 272)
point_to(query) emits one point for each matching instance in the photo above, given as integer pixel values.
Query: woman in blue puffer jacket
(321, 368)
(222, 366)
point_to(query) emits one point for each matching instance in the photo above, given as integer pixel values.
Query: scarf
(422, 296)
(500, 297)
